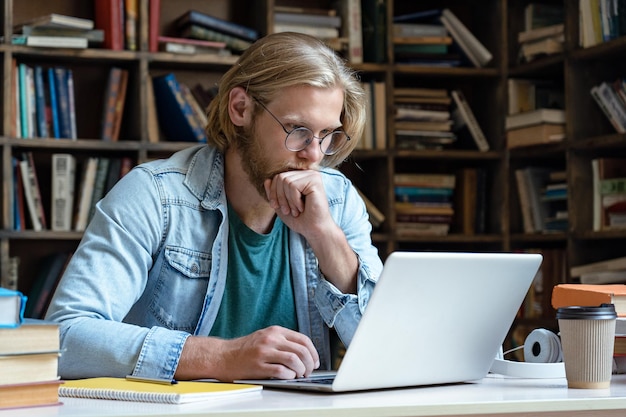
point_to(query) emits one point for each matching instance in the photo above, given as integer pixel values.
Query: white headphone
(543, 356)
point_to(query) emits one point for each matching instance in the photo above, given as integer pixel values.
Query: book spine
(110, 98)
(99, 183)
(32, 192)
(198, 32)
(196, 128)
(130, 27)
(210, 22)
(154, 19)
(42, 125)
(108, 17)
(86, 191)
(63, 102)
(120, 100)
(470, 119)
(613, 105)
(63, 175)
(352, 29)
(71, 100)
(54, 106)
(24, 101)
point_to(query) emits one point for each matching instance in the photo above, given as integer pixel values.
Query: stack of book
(57, 31)
(543, 32)
(421, 39)
(423, 118)
(610, 271)
(29, 356)
(539, 42)
(424, 204)
(186, 46)
(535, 127)
(609, 193)
(324, 24)
(197, 25)
(611, 98)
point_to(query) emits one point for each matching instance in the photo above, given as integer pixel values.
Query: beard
(255, 161)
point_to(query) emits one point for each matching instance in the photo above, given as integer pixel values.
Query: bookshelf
(495, 23)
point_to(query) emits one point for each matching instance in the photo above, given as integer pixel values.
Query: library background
(494, 125)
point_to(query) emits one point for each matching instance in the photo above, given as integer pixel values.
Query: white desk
(493, 395)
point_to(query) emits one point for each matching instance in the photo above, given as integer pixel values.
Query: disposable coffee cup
(587, 339)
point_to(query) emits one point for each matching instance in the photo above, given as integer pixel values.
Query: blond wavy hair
(283, 60)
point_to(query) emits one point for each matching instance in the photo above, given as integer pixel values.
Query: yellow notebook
(178, 393)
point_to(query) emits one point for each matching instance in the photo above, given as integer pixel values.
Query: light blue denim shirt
(151, 268)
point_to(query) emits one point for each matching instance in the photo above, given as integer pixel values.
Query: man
(231, 260)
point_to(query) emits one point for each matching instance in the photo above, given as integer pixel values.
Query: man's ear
(239, 107)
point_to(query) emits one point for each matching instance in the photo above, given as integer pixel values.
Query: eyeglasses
(299, 138)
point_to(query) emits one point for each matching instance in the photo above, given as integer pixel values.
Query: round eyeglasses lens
(332, 143)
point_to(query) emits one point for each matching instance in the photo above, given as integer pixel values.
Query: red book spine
(153, 25)
(109, 18)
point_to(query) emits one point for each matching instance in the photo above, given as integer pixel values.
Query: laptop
(433, 318)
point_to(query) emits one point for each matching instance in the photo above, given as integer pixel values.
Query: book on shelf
(34, 394)
(426, 180)
(535, 208)
(379, 109)
(546, 46)
(374, 30)
(63, 82)
(540, 134)
(154, 18)
(180, 393)
(322, 32)
(565, 295)
(56, 20)
(40, 103)
(32, 192)
(471, 46)
(352, 29)
(466, 118)
(131, 21)
(50, 271)
(235, 44)
(366, 141)
(63, 177)
(608, 180)
(176, 116)
(600, 21)
(86, 187)
(467, 201)
(99, 184)
(12, 305)
(152, 119)
(609, 101)
(541, 33)
(109, 17)
(604, 277)
(74, 42)
(194, 17)
(93, 36)
(614, 264)
(191, 46)
(525, 95)
(538, 15)
(113, 107)
(55, 126)
(534, 117)
(328, 19)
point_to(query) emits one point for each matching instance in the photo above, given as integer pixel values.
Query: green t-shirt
(259, 290)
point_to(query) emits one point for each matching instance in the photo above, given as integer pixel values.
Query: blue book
(24, 101)
(40, 103)
(176, 116)
(194, 17)
(63, 102)
(424, 16)
(54, 107)
(12, 305)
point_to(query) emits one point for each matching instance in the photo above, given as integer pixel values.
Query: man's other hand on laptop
(273, 352)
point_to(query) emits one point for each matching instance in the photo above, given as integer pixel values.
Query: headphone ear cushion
(542, 346)
(543, 356)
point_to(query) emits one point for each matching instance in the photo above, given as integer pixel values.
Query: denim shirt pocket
(181, 288)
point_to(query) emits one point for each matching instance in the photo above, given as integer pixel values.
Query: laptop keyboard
(322, 380)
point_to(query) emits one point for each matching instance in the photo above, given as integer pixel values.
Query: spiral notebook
(434, 318)
(178, 393)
